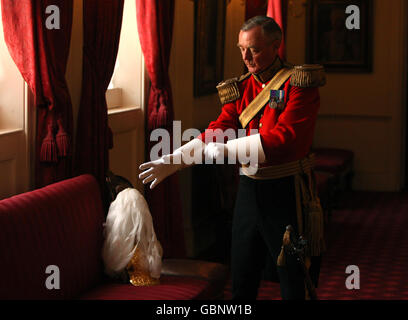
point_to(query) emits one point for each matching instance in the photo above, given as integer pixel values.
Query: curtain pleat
(277, 9)
(155, 27)
(40, 51)
(102, 27)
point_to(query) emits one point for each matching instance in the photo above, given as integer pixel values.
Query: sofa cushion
(215, 273)
(59, 225)
(170, 288)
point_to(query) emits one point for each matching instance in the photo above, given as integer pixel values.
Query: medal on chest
(277, 99)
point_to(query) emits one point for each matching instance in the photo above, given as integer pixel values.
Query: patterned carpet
(370, 231)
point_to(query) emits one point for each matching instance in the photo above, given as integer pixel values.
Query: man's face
(258, 52)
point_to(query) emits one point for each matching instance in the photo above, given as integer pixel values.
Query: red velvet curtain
(255, 8)
(102, 26)
(155, 26)
(277, 9)
(40, 50)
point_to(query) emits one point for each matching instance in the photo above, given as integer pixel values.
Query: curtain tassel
(152, 121)
(49, 147)
(162, 117)
(62, 139)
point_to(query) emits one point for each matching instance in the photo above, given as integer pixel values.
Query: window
(126, 89)
(125, 100)
(11, 90)
(14, 125)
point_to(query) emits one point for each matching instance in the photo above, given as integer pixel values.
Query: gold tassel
(307, 295)
(313, 216)
(308, 263)
(314, 228)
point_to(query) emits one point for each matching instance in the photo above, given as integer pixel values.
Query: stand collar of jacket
(267, 74)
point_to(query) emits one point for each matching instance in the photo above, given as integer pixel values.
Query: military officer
(281, 103)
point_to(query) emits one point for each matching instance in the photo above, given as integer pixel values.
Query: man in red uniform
(280, 103)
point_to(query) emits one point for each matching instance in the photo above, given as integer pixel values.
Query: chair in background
(334, 173)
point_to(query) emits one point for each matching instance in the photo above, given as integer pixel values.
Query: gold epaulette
(308, 75)
(228, 90)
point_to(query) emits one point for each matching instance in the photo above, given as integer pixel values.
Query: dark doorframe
(405, 145)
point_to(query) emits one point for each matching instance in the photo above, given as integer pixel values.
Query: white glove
(158, 170)
(245, 149)
(216, 151)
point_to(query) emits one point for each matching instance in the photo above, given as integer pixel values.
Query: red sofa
(62, 225)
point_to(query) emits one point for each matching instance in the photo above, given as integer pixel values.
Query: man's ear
(276, 44)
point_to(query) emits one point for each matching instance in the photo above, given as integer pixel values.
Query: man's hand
(183, 157)
(159, 169)
(216, 151)
(245, 149)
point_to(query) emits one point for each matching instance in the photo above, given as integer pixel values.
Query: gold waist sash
(309, 212)
(292, 168)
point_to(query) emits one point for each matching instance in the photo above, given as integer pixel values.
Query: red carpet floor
(370, 232)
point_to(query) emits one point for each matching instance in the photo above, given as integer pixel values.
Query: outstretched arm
(156, 171)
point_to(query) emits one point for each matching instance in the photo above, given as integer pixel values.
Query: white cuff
(247, 149)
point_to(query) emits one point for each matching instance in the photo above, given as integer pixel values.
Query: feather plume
(128, 226)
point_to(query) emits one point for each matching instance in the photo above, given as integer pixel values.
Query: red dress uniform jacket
(287, 134)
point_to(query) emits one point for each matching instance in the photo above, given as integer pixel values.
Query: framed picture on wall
(339, 35)
(209, 24)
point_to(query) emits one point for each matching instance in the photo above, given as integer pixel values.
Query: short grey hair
(269, 27)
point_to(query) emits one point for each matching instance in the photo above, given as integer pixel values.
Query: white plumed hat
(129, 226)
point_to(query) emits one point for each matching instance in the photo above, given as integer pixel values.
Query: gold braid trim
(308, 75)
(138, 272)
(263, 97)
(310, 217)
(312, 214)
(228, 90)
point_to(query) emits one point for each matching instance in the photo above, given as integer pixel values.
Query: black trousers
(263, 209)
